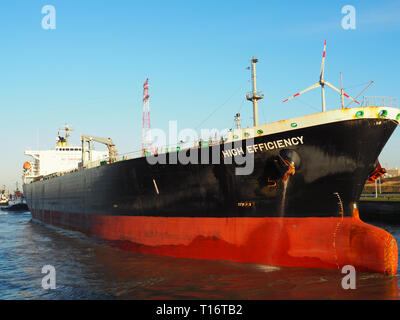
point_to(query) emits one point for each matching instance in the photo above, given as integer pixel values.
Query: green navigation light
(360, 114)
(383, 114)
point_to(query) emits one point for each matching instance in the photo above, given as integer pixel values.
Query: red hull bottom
(294, 242)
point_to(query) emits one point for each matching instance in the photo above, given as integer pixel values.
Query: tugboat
(16, 202)
(282, 193)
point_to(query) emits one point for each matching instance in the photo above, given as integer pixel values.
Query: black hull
(334, 162)
(16, 208)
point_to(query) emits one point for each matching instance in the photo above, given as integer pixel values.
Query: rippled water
(91, 269)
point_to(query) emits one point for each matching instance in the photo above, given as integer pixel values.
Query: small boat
(16, 202)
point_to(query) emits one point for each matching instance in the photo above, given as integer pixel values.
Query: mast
(341, 91)
(254, 96)
(237, 120)
(61, 140)
(321, 78)
(146, 139)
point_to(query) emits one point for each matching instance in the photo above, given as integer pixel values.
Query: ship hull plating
(293, 242)
(208, 211)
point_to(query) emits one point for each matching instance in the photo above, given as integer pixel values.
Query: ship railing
(50, 176)
(129, 155)
(201, 143)
(156, 151)
(379, 101)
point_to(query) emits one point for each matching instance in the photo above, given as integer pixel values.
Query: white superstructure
(60, 159)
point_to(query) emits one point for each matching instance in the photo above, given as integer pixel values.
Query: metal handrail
(380, 101)
(162, 150)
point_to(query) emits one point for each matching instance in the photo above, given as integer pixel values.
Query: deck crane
(87, 147)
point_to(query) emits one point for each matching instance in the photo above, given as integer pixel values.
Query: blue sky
(89, 71)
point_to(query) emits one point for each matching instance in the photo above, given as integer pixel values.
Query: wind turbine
(322, 84)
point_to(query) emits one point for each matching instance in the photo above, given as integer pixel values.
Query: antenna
(237, 120)
(254, 96)
(67, 130)
(146, 138)
(322, 84)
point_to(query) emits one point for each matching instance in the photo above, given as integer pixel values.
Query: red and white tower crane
(146, 136)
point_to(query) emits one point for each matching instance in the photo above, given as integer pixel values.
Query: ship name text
(265, 146)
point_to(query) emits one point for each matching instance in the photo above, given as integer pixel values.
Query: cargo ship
(282, 193)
